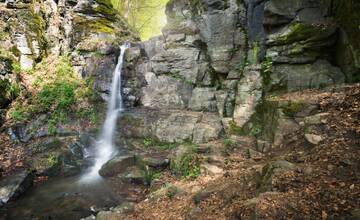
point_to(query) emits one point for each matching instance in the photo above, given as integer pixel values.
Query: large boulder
(248, 95)
(171, 125)
(305, 76)
(165, 92)
(117, 165)
(13, 186)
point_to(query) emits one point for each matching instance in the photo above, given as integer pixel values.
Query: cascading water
(105, 147)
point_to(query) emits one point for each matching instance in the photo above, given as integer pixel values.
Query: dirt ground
(324, 184)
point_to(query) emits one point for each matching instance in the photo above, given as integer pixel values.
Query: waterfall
(105, 145)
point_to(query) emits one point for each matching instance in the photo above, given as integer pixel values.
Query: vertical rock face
(223, 56)
(90, 31)
(217, 57)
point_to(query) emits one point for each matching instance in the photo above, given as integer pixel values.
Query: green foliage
(87, 114)
(292, 108)
(60, 95)
(18, 113)
(266, 70)
(171, 191)
(188, 163)
(151, 142)
(150, 175)
(228, 143)
(52, 126)
(229, 146)
(52, 160)
(234, 129)
(148, 142)
(16, 67)
(255, 130)
(195, 6)
(58, 92)
(233, 51)
(13, 91)
(255, 50)
(175, 75)
(147, 17)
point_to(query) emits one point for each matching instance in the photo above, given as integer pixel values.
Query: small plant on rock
(187, 162)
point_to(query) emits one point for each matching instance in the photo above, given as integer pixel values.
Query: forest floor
(297, 181)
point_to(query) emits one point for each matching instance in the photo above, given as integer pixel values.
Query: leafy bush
(18, 114)
(266, 70)
(57, 91)
(187, 163)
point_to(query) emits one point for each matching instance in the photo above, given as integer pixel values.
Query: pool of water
(67, 199)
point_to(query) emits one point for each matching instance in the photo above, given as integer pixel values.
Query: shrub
(187, 162)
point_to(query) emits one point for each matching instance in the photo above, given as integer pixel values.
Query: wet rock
(47, 164)
(135, 175)
(117, 165)
(91, 217)
(355, 214)
(125, 207)
(12, 187)
(107, 215)
(77, 149)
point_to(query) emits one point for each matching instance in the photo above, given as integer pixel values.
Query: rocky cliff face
(42, 43)
(225, 57)
(89, 31)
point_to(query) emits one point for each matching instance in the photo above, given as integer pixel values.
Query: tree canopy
(145, 16)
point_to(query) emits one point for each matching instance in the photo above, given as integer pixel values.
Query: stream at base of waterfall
(80, 196)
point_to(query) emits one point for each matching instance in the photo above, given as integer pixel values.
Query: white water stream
(105, 145)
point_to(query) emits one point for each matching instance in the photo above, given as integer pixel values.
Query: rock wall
(89, 31)
(225, 57)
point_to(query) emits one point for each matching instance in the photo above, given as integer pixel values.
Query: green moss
(292, 108)
(264, 181)
(266, 70)
(18, 113)
(301, 31)
(100, 25)
(263, 123)
(154, 143)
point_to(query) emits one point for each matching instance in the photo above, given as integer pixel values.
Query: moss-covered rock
(265, 181)
(305, 32)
